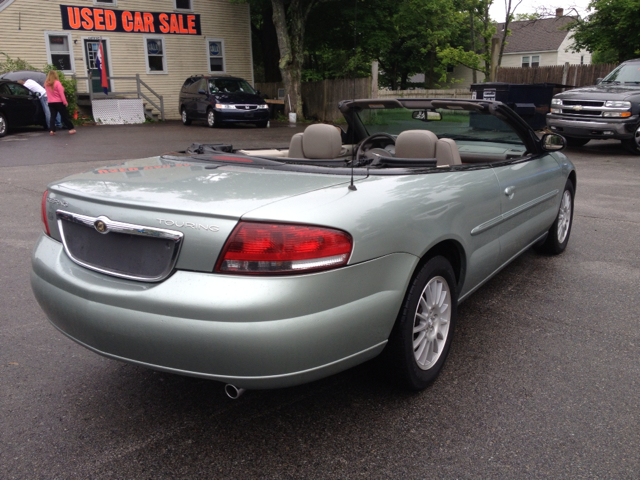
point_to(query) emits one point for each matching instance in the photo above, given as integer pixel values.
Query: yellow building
(162, 41)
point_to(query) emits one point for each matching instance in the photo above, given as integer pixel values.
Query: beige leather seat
(416, 144)
(319, 141)
(447, 152)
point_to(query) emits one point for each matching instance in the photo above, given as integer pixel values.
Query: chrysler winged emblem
(100, 226)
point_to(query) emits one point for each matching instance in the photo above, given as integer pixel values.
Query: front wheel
(212, 121)
(576, 142)
(3, 126)
(421, 338)
(633, 144)
(558, 236)
(184, 117)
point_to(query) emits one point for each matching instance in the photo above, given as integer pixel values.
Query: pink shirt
(55, 94)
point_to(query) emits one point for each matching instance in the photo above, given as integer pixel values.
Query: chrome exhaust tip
(233, 392)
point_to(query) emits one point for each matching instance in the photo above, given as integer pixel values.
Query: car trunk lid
(144, 202)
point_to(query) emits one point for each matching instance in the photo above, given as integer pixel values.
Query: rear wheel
(633, 144)
(421, 337)
(558, 236)
(212, 121)
(3, 125)
(184, 117)
(576, 142)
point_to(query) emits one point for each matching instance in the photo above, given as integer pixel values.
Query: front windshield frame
(472, 125)
(626, 73)
(230, 85)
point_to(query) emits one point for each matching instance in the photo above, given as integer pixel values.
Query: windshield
(625, 73)
(229, 85)
(454, 124)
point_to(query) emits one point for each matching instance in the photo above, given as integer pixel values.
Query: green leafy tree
(612, 29)
(477, 54)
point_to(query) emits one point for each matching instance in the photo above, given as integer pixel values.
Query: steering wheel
(365, 145)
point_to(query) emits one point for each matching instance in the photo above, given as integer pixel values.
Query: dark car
(221, 99)
(19, 107)
(16, 75)
(609, 109)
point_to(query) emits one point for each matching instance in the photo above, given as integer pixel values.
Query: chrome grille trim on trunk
(125, 250)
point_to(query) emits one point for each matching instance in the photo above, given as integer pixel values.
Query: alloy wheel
(431, 324)
(564, 216)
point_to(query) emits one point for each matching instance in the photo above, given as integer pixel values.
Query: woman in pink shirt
(57, 102)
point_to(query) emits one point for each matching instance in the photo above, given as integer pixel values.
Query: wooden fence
(320, 99)
(574, 75)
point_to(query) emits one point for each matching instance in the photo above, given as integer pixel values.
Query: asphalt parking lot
(543, 379)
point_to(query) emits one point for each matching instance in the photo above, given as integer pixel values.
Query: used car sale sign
(127, 21)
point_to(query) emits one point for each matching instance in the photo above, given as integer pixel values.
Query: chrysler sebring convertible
(275, 267)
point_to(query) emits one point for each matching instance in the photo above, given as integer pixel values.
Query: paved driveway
(543, 380)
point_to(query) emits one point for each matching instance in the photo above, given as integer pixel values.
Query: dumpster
(529, 100)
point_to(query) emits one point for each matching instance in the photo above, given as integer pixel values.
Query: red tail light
(268, 249)
(43, 212)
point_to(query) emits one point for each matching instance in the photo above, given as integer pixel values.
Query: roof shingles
(545, 34)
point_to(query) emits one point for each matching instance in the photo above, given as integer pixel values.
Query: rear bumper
(252, 332)
(593, 128)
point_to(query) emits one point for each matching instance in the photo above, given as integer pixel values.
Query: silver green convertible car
(276, 267)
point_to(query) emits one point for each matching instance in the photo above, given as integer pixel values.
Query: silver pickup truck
(610, 109)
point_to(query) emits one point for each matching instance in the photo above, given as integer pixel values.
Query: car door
(24, 105)
(530, 194)
(201, 98)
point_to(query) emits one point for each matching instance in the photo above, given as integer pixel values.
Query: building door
(91, 48)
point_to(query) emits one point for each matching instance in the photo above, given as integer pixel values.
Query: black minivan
(219, 99)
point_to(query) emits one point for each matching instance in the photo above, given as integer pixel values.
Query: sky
(530, 6)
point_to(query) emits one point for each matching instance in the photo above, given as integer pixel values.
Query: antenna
(352, 187)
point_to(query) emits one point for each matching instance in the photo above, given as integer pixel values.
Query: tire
(212, 121)
(184, 117)
(558, 236)
(421, 337)
(3, 125)
(633, 144)
(576, 142)
(262, 124)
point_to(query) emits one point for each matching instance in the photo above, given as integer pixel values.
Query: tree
(612, 28)
(266, 54)
(477, 55)
(509, 9)
(289, 18)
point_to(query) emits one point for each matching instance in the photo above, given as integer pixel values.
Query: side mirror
(552, 142)
(202, 92)
(598, 81)
(426, 115)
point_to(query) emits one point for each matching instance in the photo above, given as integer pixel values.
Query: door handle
(510, 192)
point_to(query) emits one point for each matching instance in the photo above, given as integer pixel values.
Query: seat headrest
(447, 152)
(321, 141)
(416, 144)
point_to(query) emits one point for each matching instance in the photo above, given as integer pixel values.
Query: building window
(215, 55)
(59, 51)
(156, 58)
(183, 5)
(525, 62)
(535, 60)
(581, 59)
(450, 68)
(111, 3)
